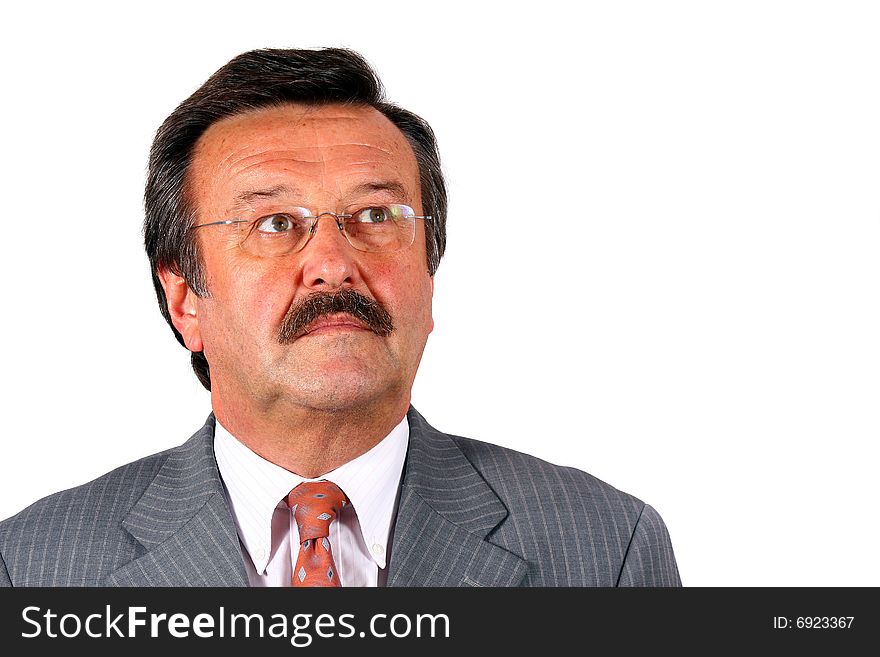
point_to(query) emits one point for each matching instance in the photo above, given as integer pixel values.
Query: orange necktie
(315, 504)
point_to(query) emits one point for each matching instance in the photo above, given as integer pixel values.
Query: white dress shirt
(256, 490)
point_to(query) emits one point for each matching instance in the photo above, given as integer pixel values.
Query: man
(294, 222)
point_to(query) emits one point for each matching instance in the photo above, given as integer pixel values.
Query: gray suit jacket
(470, 514)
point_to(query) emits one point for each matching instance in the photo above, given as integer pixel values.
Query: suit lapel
(184, 523)
(445, 514)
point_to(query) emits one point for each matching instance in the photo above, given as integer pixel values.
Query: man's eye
(376, 215)
(275, 223)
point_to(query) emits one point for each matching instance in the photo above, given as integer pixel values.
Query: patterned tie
(315, 504)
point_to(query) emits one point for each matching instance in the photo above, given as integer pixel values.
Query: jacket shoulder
(574, 528)
(523, 477)
(67, 538)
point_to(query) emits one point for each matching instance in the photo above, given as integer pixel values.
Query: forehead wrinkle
(387, 151)
(257, 159)
(323, 160)
(231, 155)
(295, 153)
(310, 146)
(261, 164)
(326, 126)
(323, 122)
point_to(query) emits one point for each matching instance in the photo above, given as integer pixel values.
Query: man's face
(324, 159)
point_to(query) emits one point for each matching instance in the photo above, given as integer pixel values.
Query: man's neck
(310, 442)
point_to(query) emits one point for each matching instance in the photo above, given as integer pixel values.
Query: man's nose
(328, 258)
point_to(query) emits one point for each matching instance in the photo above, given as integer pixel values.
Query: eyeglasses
(374, 229)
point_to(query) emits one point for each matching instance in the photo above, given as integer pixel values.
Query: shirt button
(377, 549)
(260, 554)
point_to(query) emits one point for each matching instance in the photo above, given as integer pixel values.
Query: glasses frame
(313, 227)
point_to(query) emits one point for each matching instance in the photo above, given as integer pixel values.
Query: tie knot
(315, 504)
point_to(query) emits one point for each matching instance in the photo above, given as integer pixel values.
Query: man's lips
(334, 323)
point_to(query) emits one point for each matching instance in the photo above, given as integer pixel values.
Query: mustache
(319, 304)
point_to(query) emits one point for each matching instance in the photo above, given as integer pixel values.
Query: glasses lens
(276, 234)
(381, 228)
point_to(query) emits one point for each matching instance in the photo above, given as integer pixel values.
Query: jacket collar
(184, 523)
(445, 516)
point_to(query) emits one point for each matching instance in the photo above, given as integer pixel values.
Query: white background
(663, 256)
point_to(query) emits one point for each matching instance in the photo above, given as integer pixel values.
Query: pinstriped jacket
(469, 514)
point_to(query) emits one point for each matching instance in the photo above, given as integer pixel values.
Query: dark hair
(255, 80)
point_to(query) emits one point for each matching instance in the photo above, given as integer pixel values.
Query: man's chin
(339, 400)
(339, 382)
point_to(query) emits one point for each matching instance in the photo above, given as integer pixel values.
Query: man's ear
(182, 308)
(432, 309)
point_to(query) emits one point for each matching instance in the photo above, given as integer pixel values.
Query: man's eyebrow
(249, 195)
(396, 188)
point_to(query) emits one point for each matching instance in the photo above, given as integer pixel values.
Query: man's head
(271, 131)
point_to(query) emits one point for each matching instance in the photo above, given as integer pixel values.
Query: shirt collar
(256, 487)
